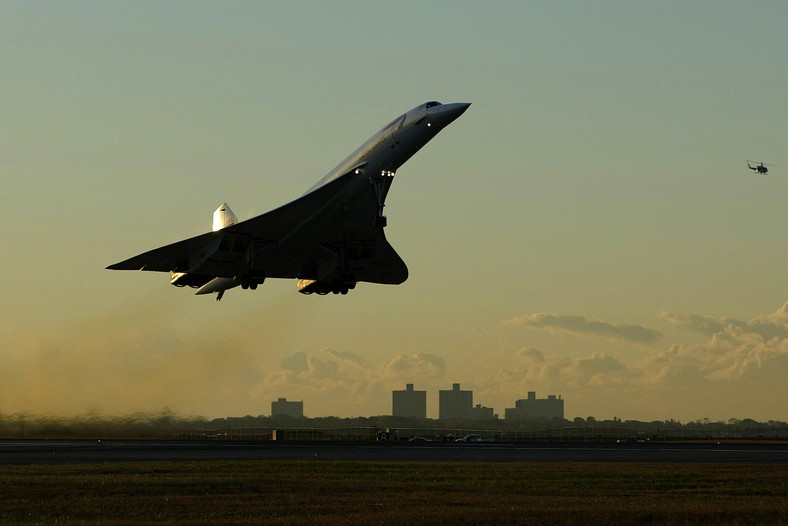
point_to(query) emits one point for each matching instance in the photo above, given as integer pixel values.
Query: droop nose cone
(450, 112)
(458, 108)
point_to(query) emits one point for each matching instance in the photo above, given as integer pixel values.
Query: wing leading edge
(320, 235)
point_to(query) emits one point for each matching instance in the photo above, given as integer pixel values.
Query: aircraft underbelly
(340, 240)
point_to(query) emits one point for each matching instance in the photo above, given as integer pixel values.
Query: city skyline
(588, 227)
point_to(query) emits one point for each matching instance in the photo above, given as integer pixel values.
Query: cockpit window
(432, 103)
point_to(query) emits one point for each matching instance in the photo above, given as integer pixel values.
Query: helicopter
(759, 168)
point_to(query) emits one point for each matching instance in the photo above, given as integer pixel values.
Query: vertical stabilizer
(223, 217)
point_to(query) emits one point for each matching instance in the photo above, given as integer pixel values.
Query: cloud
(349, 358)
(558, 373)
(769, 326)
(756, 350)
(702, 324)
(531, 355)
(597, 369)
(346, 380)
(301, 368)
(739, 370)
(418, 366)
(579, 325)
(296, 362)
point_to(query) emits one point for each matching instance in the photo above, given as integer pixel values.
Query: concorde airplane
(328, 239)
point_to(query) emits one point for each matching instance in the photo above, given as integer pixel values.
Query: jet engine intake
(184, 279)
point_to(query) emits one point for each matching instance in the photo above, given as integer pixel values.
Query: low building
(284, 407)
(479, 412)
(547, 408)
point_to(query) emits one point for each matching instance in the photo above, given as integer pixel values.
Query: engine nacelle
(184, 279)
(312, 286)
(222, 218)
(218, 285)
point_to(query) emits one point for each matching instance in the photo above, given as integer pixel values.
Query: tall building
(409, 403)
(455, 403)
(548, 408)
(283, 407)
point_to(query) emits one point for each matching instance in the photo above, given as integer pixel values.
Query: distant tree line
(167, 425)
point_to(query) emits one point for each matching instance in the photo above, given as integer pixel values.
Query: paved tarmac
(94, 451)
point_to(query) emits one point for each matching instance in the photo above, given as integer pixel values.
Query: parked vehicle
(475, 439)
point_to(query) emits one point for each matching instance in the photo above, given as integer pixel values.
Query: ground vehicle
(474, 439)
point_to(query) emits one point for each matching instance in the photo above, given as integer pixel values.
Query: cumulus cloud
(530, 354)
(595, 369)
(739, 369)
(350, 379)
(418, 366)
(579, 325)
(301, 368)
(348, 358)
(736, 350)
(560, 372)
(296, 362)
(769, 326)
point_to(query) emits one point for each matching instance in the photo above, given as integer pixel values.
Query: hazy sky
(588, 228)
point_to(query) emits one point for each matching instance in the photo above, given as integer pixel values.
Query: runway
(94, 451)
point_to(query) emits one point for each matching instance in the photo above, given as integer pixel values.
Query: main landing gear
(251, 282)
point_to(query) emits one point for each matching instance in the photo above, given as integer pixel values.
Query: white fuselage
(398, 141)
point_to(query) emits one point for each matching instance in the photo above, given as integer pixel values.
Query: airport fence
(339, 434)
(567, 434)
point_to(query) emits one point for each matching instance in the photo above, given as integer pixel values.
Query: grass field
(455, 493)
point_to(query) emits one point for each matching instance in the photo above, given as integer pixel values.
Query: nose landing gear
(380, 184)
